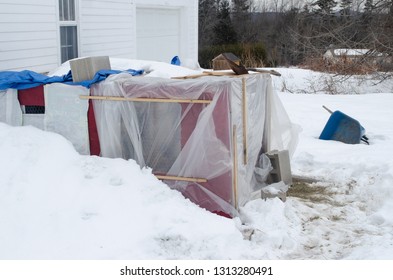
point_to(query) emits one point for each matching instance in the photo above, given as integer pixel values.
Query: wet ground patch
(312, 192)
(317, 192)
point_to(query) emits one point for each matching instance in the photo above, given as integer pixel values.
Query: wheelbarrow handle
(327, 109)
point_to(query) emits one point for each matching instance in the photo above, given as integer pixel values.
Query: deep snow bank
(56, 204)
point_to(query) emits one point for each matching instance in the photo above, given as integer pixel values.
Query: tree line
(293, 35)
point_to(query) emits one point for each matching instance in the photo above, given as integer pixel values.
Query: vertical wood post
(235, 190)
(244, 111)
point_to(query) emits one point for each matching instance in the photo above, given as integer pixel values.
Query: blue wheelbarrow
(343, 128)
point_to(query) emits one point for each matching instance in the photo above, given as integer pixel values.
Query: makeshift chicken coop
(206, 137)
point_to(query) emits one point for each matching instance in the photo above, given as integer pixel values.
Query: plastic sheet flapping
(189, 139)
(281, 133)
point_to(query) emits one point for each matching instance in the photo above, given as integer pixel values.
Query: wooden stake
(176, 178)
(271, 72)
(268, 122)
(234, 143)
(244, 101)
(143, 99)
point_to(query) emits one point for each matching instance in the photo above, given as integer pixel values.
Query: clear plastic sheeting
(281, 133)
(205, 137)
(262, 170)
(10, 111)
(210, 149)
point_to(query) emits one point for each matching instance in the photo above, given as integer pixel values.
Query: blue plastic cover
(175, 60)
(29, 79)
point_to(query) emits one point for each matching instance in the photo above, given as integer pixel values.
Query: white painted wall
(106, 27)
(29, 31)
(28, 35)
(162, 39)
(158, 33)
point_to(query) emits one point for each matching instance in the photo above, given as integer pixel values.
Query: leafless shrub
(249, 58)
(341, 66)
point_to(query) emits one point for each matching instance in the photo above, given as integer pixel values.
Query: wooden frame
(143, 99)
(197, 101)
(177, 178)
(234, 143)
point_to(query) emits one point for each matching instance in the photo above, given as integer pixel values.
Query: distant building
(220, 63)
(349, 55)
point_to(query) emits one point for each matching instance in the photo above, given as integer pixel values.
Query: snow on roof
(355, 52)
(230, 56)
(152, 68)
(351, 52)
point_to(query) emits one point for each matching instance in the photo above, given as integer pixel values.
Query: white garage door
(158, 33)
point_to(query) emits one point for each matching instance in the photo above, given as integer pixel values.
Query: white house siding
(158, 29)
(183, 11)
(28, 35)
(106, 28)
(190, 32)
(29, 31)
(110, 27)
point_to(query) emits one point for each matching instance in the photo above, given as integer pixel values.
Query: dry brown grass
(249, 59)
(341, 66)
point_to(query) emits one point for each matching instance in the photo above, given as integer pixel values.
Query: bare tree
(346, 6)
(242, 15)
(224, 31)
(293, 35)
(208, 18)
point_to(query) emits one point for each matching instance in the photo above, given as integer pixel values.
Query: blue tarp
(29, 79)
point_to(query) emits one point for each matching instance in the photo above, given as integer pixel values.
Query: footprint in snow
(116, 181)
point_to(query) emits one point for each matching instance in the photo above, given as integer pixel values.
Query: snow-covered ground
(57, 204)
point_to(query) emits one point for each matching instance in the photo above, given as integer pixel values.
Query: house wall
(187, 46)
(106, 27)
(28, 35)
(29, 31)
